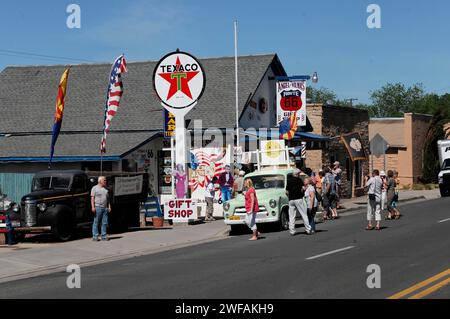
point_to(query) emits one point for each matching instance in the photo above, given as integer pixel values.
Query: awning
(273, 135)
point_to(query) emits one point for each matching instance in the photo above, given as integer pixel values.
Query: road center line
(330, 252)
(444, 220)
(420, 285)
(430, 290)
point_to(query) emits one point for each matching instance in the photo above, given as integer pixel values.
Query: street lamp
(315, 78)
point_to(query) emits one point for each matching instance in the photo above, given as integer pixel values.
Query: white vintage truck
(444, 162)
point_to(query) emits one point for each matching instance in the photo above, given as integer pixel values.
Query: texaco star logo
(179, 80)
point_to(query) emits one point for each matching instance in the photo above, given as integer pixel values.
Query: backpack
(318, 196)
(332, 182)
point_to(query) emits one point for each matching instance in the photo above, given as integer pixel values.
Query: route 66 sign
(291, 97)
(179, 81)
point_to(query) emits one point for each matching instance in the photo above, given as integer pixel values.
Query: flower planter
(158, 222)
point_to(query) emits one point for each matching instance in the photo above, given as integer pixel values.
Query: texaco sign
(179, 81)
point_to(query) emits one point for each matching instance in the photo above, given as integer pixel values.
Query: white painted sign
(291, 97)
(179, 81)
(128, 185)
(180, 210)
(273, 152)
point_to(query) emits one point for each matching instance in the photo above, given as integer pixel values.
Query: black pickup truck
(60, 201)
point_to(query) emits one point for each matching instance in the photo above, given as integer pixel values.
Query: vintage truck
(270, 186)
(60, 201)
(444, 163)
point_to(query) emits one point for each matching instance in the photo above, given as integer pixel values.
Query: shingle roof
(70, 145)
(28, 94)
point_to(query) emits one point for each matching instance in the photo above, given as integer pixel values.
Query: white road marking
(330, 252)
(444, 220)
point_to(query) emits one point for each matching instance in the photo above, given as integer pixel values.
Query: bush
(418, 187)
(406, 187)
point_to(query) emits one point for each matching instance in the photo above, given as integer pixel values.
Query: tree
(393, 100)
(320, 96)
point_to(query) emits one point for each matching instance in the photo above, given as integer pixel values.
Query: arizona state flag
(59, 111)
(288, 126)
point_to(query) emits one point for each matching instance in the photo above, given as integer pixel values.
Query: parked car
(273, 202)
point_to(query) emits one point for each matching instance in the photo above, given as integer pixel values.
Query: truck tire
(283, 223)
(444, 192)
(64, 227)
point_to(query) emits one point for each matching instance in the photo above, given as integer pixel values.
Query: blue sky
(330, 37)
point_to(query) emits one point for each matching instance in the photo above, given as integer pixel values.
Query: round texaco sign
(179, 80)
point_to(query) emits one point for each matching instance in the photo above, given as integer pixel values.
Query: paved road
(408, 252)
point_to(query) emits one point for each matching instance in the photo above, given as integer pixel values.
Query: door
(80, 197)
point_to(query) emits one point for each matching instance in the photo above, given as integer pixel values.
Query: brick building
(334, 121)
(405, 139)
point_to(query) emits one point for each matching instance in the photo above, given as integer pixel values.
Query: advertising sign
(179, 81)
(291, 97)
(169, 124)
(273, 152)
(128, 185)
(354, 146)
(210, 162)
(180, 210)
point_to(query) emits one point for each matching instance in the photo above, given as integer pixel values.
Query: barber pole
(303, 150)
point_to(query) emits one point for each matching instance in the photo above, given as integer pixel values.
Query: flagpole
(236, 82)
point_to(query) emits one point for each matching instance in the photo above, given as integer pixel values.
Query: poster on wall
(210, 162)
(291, 97)
(273, 152)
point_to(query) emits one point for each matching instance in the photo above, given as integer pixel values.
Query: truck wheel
(283, 223)
(63, 229)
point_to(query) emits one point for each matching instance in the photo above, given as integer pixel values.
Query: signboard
(291, 97)
(179, 81)
(354, 146)
(128, 185)
(273, 152)
(378, 145)
(180, 210)
(169, 124)
(211, 162)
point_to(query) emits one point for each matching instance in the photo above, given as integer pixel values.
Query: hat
(382, 173)
(336, 163)
(241, 173)
(296, 172)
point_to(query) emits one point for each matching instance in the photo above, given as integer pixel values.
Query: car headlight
(226, 206)
(441, 180)
(42, 207)
(273, 203)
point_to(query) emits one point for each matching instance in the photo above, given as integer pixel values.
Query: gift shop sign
(291, 97)
(180, 210)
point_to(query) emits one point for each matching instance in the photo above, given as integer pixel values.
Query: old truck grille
(28, 216)
(446, 178)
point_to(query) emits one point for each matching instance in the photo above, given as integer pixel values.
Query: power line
(38, 56)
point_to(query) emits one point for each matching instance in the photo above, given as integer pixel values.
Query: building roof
(71, 147)
(28, 95)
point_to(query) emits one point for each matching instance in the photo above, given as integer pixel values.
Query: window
(79, 184)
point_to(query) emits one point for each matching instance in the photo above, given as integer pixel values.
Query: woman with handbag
(374, 185)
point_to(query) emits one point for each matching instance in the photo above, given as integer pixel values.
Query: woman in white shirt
(311, 202)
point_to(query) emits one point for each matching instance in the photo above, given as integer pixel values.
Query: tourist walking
(329, 195)
(383, 191)
(297, 203)
(226, 182)
(390, 191)
(251, 208)
(374, 185)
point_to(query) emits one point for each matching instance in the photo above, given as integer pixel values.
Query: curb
(220, 235)
(349, 210)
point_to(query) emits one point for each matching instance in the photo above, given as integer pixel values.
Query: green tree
(395, 99)
(321, 95)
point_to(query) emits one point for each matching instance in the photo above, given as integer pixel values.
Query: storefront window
(164, 172)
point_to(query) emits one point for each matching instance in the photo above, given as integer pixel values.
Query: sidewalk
(34, 259)
(358, 203)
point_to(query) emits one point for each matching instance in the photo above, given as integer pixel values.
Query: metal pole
(236, 82)
(172, 164)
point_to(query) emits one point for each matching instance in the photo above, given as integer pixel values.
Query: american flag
(213, 160)
(115, 91)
